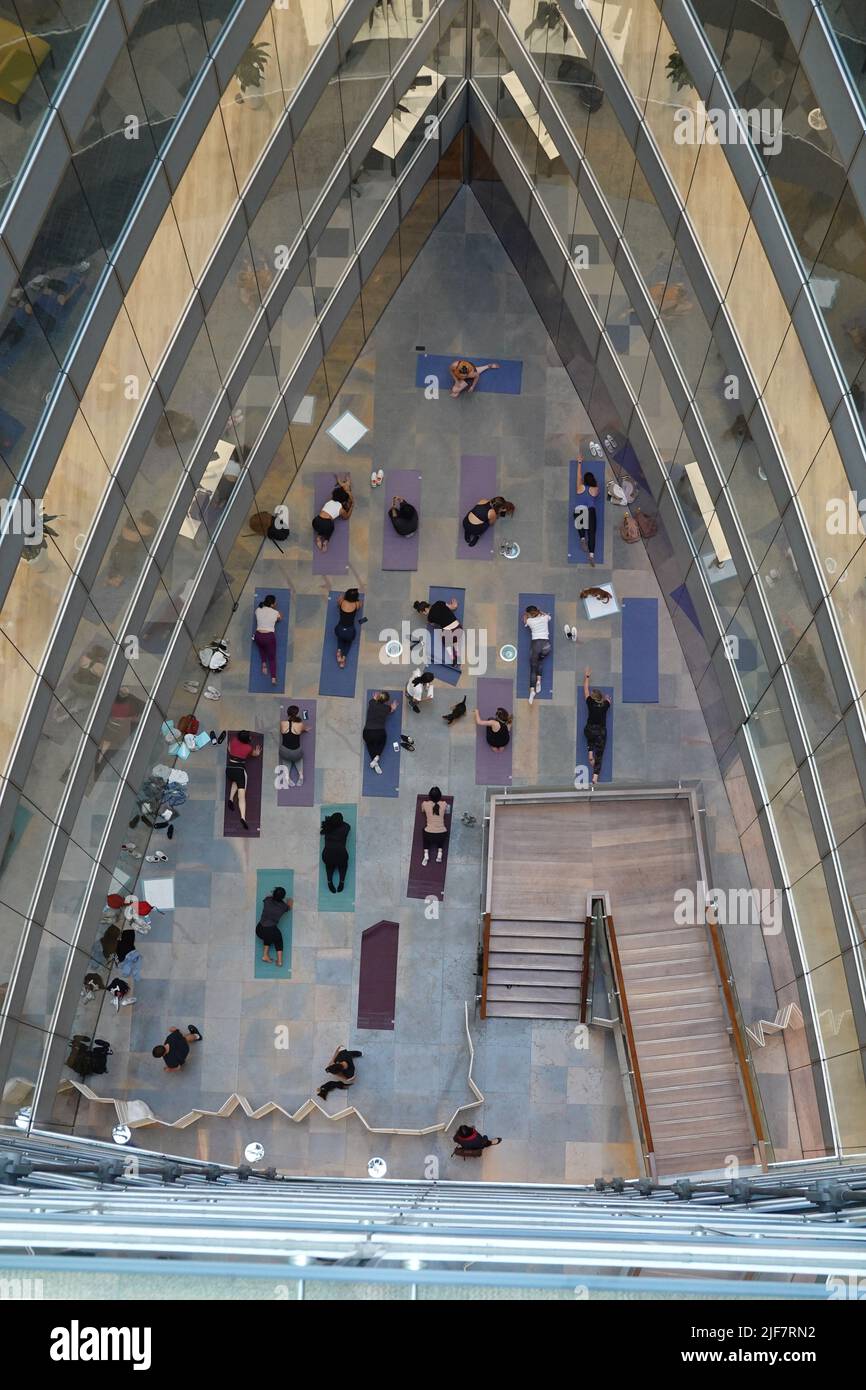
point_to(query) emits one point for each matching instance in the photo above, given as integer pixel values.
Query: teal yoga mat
(345, 901)
(266, 881)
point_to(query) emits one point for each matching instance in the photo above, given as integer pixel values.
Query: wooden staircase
(695, 1088)
(534, 969)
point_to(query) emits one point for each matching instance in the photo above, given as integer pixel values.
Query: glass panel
(813, 687)
(794, 827)
(840, 784)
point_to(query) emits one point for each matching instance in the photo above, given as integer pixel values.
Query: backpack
(188, 724)
(647, 525)
(100, 1051)
(79, 1054)
(629, 529)
(275, 532)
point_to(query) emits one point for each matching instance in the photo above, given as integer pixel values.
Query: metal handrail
(742, 1059)
(631, 1045)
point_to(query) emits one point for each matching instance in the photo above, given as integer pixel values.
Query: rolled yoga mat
(400, 552)
(305, 795)
(266, 881)
(449, 674)
(334, 560)
(334, 679)
(576, 554)
(640, 651)
(605, 772)
(377, 978)
(386, 783)
(504, 382)
(260, 684)
(493, 769)
(345, 901)
(477, 480)
(547, 604)
(427, 881)
(232, 827)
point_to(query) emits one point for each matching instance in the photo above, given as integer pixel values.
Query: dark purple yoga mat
(477, 480)
(334, 560)
(427, 881)
(493, 769)
(377, 979)
(305, 795)
(232, 827)
(400, 552)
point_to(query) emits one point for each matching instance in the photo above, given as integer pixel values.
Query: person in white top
(339, 504)
(419, 687)
(265, 637)
(539, 647)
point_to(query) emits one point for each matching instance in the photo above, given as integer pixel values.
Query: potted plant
(678, 72)
(251, 71)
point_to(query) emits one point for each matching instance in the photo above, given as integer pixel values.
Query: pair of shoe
(406, 743)
(426, 858)
(375, 766)
(211, 693)
(157, 857)
(571, 633)
(217, 738)
(377, 477)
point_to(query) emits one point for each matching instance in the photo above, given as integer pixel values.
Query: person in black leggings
(348, 607)
(335, 856)
(374, 735)
(404, 517)
(585, 517)
(342, 1065)
(497, 734)
(595, 729)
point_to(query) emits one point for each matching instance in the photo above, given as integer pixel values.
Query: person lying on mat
(585, 519)
(265, 638)
(435, 832)
(465, 375)
(335, 855)
(403, 517)
(595, 729)
(274, 908)
(498, 737)
(348, 606)
(340, 505)
(539, 645)
(292, 730)
(484, 515)
(378, 708)
(468, 1138)
(442, 614)
(241, 746)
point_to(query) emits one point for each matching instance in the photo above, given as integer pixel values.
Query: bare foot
(320, 544)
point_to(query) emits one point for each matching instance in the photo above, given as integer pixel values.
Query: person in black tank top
(292, 729)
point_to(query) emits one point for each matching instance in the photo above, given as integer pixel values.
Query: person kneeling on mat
(342, 1065)
(435, 833)
(274, 908)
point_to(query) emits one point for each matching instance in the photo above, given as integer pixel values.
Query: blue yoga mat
(334, 679)
(640, 651)
(504, 382)
(547, 604)
(576, 554)
(450, 674)
(388, 782)
(605, 773)
(260, 684)
(683, 599)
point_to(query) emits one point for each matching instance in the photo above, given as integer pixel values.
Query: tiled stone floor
(561, 1112)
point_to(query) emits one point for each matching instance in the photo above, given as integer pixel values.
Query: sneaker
(592, 559)
(376, 768)
(438, 856)
(191, 1028)
(538, 685)
(374, 479)
(425, 860)
(124, 1003)
(567, 631)
(573, 634)
(211, 693)
(380, 477)
(532, 695)
(191, 686)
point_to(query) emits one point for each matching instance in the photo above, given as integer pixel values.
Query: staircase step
(674, 972)
(568, 979)
(712, 1039)
(515, 960)
(496, 1009)
(646, 1012)
(701, 1143)
(670, 1089)
(675, 1024)
(685, 939)
(679, 1101)
(540, 945)
(570, 931)
(687, 1059)
(733, 1128)
(650, 919)
(522, 994)
(680, 1165)
(670, 989)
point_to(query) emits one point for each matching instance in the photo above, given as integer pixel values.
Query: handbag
(629, 529)
(647, 525)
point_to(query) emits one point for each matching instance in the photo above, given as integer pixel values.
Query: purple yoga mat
(400, 552)
(305, 795)
(427, 881)
(377, 979)
(232, 827)
(477, 480)
(334, 560)
(493, 769)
